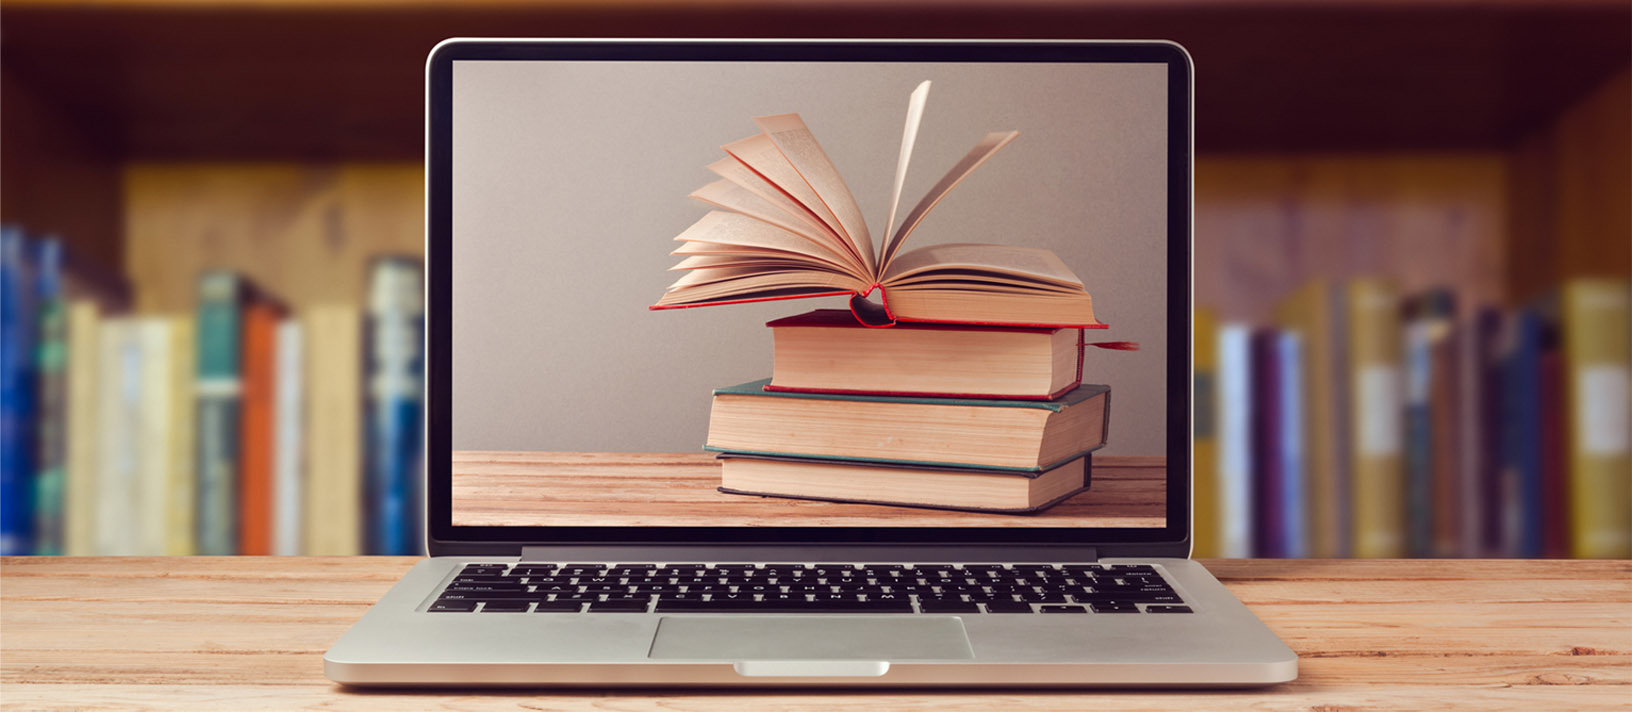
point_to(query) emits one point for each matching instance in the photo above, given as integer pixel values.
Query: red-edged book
(785, 226)
(828, 351)
(255, 493)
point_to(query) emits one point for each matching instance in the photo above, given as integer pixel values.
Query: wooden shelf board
(318, 80)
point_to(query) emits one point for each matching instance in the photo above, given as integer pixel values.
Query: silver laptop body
(400, 641)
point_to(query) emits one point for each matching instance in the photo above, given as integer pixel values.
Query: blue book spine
(1295, 506)
(1521, 469)
(1419, 474)
(16, 394)
(51, 393)
(394, 485)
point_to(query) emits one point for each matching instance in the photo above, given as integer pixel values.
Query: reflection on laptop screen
(586, 192)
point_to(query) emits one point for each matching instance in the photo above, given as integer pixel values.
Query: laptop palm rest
(806, 645)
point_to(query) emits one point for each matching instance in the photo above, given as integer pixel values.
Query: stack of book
(965, 417)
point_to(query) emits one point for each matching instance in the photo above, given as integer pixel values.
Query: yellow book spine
(1597, 321)
(183, 486)
(1204, 524)
(81, 468)
(1375, 426)
(333, 497)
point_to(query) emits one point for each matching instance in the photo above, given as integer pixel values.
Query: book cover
(84, 428)
(334, 429)
(17, 334)
(785, 226)
(1375, 424)
(1205, 533)
(1278, 444)
(1597, 378)
(219, 390)
(257, 454)
(837, 426)
(51, 395)
(394, 488)
(288, 457)
(828, 351)
(923, 487)
(1235, 441)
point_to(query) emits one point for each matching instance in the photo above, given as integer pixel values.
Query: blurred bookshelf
(1460, 168)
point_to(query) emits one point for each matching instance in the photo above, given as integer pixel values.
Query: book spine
(1338, 495)
(1521, 413)
(51, 394)
(333, 507)
(181, 439)
(154, 420)
(219, 390)
(119, 457)
(1597, 378)
(1293, 458)
(1205, 532)
(396, 367)
(84, 429)
(1269, 425)
(1484, 409)
(258, 424)
(289, 453)
(1235, 446)
(16, 394)
(1375, 425)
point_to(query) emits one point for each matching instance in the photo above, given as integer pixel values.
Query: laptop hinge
(554, 554)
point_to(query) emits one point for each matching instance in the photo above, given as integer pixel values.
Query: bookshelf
(1481, 147)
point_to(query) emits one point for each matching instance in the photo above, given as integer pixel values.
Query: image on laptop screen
(1006, 366)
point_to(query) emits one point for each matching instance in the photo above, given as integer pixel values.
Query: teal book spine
(220, 401)
(51, 369)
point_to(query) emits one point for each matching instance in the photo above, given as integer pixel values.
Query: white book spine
(156, 418)
(117, 457)
(289, 461)
(1235, 440)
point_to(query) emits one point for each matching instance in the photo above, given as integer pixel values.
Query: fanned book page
(785, 225)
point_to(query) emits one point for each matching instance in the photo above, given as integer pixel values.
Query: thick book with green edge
(1016, 435)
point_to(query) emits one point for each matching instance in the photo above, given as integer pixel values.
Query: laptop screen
(1008, 222)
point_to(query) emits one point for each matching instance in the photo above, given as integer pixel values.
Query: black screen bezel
(443, 537)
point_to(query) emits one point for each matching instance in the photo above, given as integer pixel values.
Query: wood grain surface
(249, 633)
(678, 489)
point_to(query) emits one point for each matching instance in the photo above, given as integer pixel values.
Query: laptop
(577, 529)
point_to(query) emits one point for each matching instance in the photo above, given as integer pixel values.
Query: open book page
(729, 196)
(763, 157)
(909, 136)
(799, 146)
(734, 170)
(765, 262)
(987, 307)
(1026, 264)
(730, 283)
(991, 144)
(723, 228)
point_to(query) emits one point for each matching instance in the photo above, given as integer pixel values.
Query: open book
(786, 226)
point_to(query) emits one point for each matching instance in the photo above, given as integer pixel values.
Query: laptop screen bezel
(445, 538)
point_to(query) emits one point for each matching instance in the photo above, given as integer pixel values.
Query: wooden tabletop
(249, 633)
(679, 489)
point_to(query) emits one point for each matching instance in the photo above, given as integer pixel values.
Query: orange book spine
(256, 463)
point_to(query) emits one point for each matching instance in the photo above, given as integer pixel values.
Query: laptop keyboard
(808, 588)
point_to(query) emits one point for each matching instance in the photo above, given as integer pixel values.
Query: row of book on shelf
(1368, 423)
(245, 427)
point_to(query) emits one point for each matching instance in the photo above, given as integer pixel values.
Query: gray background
(570, 181)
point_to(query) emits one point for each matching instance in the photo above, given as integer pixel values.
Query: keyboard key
(505, 606)
(1062, 609)
(1167, 609)
(784, 607)
(1007, 607)
(453, 606)
(490, 595)
(1114, 607)
(559, 607)
(619, 606)
(946, 606)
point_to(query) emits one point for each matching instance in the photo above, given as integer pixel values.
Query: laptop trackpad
(740, 638)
